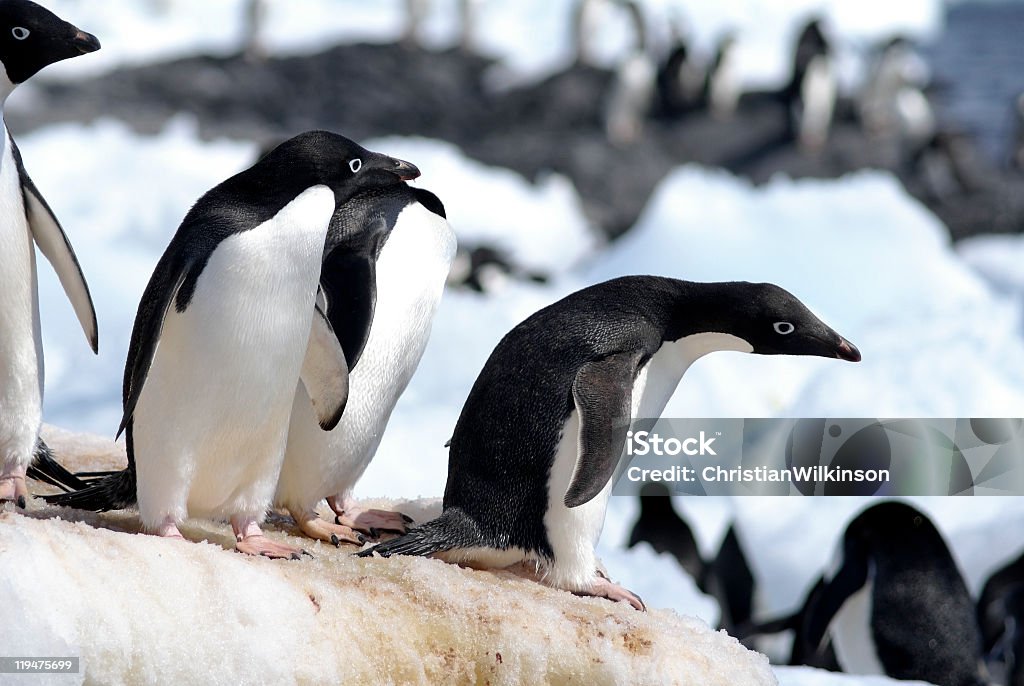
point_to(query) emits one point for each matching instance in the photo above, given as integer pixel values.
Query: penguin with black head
(227, 327)
(31, 37)
(540, 437)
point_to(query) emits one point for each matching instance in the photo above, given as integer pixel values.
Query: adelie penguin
(895, 605)
(31, 37)
(811, 93)
(387, 256)
(540, 436)
(227, 326)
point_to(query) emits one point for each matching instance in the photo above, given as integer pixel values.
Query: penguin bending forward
(387, 256)
(31, 37)
(540, 436)
(226, 328)
(896, 605)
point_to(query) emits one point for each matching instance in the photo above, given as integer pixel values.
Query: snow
(183, 612)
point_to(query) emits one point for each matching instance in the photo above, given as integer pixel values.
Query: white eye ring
(20, 32)
(355, 165)
(784, 328)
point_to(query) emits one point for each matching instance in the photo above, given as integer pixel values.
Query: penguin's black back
(503, 445)
(922, 616)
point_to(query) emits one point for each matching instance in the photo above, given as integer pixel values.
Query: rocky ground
(554, 125)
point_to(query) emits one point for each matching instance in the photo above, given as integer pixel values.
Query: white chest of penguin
(20, 353)
(17, 256)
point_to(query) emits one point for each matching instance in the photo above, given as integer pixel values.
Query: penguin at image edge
(31, 37)
(894, 605)
(539, 438)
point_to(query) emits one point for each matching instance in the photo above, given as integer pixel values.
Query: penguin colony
(321, 266)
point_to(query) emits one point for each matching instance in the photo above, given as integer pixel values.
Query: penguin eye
(355, 165)
(784, 328)
(20, 33)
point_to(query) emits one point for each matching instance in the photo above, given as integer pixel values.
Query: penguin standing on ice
(227, 326)
(811, 93)
(723, 87)
(896, 606)
(539, 439)
(31, 37)
(387, 256)
(633, 90)
(680, 78)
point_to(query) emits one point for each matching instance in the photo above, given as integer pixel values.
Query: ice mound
(140, 609)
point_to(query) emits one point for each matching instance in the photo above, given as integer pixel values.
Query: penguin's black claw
(361, 538)
(307, 554)
(21, 502)
(408, 519)
(337, 519)
(335, 540)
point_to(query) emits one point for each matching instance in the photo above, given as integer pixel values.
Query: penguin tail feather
(114, 492)
(453, 529)
(46, 469)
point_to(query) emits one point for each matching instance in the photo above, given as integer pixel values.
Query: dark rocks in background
(555, 125)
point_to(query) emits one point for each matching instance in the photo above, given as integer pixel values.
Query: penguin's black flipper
(730, 581)
(163, 289)
(430, 201)
(46, 469)
(826, 599)
(349, 284)
(55, 246)
(603, 394)
(453, 529)
(325, 372)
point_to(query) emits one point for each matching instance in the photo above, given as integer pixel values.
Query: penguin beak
(405, 170)
(85, 42)
(847, 351)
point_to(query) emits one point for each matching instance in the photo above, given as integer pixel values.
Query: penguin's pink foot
(605, 588)
(311, 524)
(373, 523)
(13, 486)
(249, 539)
(169, 530)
